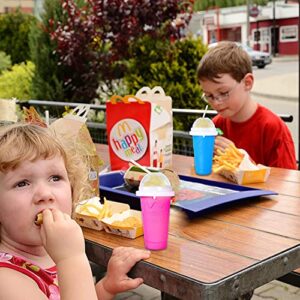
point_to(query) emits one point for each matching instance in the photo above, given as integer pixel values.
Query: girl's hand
(62, 237)
(120, 263)
(222, 143)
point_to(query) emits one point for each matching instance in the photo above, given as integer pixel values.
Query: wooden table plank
(186, 257)
(280, 203)
(229, 237)
(247, 243)
(260, 219)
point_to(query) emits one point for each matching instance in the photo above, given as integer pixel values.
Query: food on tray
(94, 208)
(131, 221)
(90, 213)
(39, 219)
(127, 223)
(236, 165)
(229, 160)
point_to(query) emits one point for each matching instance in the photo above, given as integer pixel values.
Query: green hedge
(171, 66)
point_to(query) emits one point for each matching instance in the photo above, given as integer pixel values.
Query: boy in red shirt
(225, 75)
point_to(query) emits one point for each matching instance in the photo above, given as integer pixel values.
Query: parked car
(259, 58)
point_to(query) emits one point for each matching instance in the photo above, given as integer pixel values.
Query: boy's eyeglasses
(219, 98)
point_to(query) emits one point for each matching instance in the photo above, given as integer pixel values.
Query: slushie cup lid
(155, 184)
(203, 126)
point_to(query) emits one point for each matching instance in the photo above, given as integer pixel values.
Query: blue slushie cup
(204, 134)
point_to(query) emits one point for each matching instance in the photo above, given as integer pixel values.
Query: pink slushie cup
(155, 192)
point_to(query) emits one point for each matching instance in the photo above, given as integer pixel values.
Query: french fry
(228, 160)
(95, 211)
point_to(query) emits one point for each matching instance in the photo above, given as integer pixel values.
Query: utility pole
(274, 30)
(248, 23)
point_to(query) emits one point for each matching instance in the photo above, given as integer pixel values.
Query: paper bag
(73, 132)
(140, 130)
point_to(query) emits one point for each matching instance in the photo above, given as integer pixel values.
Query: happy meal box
(140, 128)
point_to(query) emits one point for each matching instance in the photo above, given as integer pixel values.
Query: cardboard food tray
(93, 222)
(248, 176)
(195, 194)
(131, 232)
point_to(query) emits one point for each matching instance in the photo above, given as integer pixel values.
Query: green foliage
(171, 66)
(206, 4)
(14, 31)
(47, 83)
(16, 83)
(5, 61)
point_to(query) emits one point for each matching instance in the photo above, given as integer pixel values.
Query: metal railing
(182, 141)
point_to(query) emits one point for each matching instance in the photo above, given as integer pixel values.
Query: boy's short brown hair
(224, 58)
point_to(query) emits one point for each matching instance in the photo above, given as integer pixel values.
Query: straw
(140, 166)
(206, 107)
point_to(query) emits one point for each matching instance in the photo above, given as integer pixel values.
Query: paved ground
(274, 290)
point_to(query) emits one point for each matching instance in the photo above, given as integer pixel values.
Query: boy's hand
(120, 263)
(62, 237)
(222, 143)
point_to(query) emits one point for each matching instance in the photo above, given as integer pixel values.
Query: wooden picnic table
(224, 253)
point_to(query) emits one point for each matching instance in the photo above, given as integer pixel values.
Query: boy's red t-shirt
(264, 136)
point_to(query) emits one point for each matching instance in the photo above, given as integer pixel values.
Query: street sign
(254, 11)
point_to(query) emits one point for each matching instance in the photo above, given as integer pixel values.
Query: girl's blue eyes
(23, 183)
(56, 178)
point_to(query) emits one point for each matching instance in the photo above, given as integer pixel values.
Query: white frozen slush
(203, 126)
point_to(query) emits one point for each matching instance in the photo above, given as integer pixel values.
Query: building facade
(26, 6)
(34, 7)
(273, 28)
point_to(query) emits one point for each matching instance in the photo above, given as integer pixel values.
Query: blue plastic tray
(195, 194)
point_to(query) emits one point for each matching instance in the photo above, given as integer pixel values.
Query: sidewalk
(283, 86)
(282, 58)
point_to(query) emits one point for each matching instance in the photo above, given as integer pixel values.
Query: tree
(47, 82)
(14, 32)
(156, 62)
(16, 83)
(94, 38)
(5, 61)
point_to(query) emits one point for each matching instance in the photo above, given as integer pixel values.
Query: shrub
(16, 83)
(5, 61)
(93, 38)
(171, 66)
(47, 83)
(14, 31)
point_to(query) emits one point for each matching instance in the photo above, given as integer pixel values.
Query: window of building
(256, 35)
(288, 33)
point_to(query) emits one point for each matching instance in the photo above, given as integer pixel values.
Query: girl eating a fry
(48, 260)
